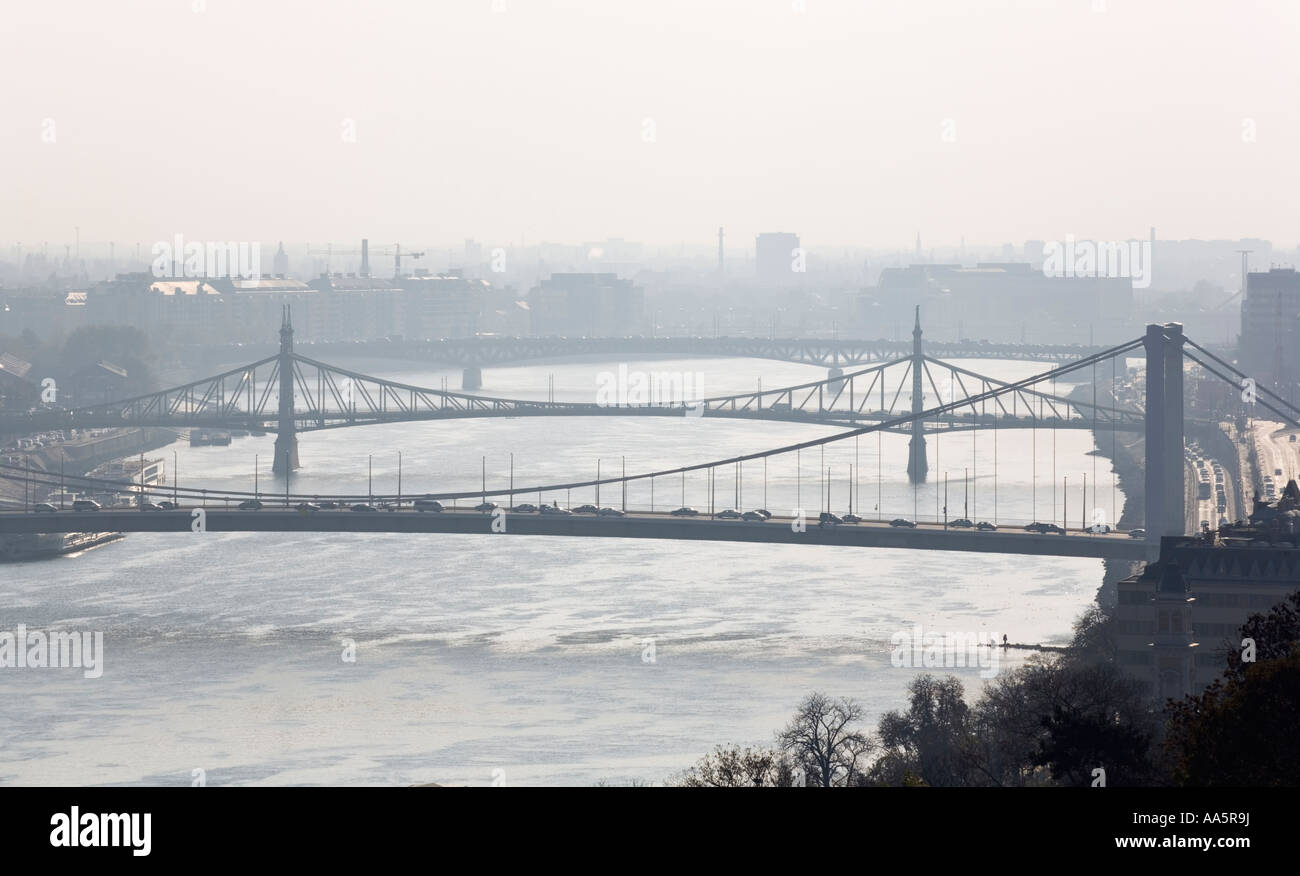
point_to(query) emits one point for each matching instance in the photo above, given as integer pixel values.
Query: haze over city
(522, 120)
(694, 394)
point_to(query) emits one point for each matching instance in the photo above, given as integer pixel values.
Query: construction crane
(364, 252)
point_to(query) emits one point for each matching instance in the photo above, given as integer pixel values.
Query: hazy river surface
(522, 660)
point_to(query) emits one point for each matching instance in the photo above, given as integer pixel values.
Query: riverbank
(80, 455)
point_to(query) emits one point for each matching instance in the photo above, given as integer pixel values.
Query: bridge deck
(634, 525)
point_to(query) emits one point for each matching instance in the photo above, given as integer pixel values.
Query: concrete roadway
(1275, 451)
(778, 530)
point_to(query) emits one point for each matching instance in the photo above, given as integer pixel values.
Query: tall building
(280, 264)
(1005, 302)
(1178, 618)
(1270, 330)
(586, 305)
(774, 255)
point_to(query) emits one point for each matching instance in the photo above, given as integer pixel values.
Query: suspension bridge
(289, 393)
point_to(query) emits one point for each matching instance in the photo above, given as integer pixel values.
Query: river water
(524, 660)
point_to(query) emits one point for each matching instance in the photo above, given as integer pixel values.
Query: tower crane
(364, 252)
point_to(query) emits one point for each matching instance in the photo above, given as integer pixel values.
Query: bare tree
(739, 768)
(823, 738)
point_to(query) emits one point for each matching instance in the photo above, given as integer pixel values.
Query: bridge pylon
(1165, 499)
(286, 437)
(918, 465)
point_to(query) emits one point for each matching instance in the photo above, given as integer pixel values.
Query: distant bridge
(289, 393)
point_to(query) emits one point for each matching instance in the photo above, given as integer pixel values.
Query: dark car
(329, 504)
(902, 521)
(556, 509)
(827, 518)
(611, 512)
(427, 505)
(753, 517)
(985, 526)
(1043, 528)
(85, 505)
(44, 506)
(729, 514)
(485, 507)
(961, 523)
(684, 512)
(852, 518)
(363, 507)
(767, 515)
(250, 505)
(524, 508)
(168, 505)
(306, 507)
(586, 509)
(150, 506)
(1137, 533)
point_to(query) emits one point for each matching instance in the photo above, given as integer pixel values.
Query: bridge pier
(836, 377)
(286, 453)
(471, 378)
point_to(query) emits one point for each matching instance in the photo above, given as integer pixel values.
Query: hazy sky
(229, 122)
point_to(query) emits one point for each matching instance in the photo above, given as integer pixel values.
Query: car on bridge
(151, 506)
(827, 518)
(753, 517)
(1137, 533)
(485, 507)
(330, 504)
(729, 514)
(363, 507)
(556, 509)
(306, 507)
(168, 505)
(427, 505)
(45, 507)
(86, 505)
(852, 518)
(766, 513)
(586, 509)
(902, 521)
(611, 512)
(961, 523)
(1044, 528)
(250, 505)
(985, 526)
(684, 511)
(524, 508)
